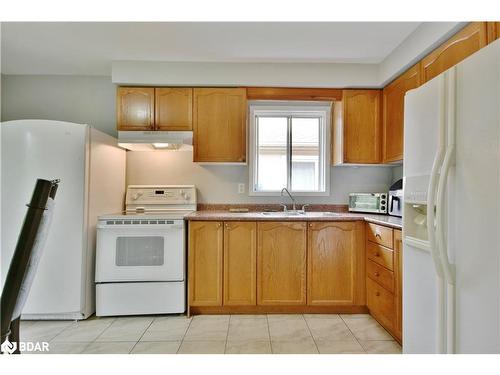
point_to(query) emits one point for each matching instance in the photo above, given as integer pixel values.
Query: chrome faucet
(290, 195)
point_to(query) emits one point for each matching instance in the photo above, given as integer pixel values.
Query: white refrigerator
(92, 172)
(451, 234)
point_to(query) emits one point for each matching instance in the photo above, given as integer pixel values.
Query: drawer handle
(377, 254)
(377, 274)
(377, 294)
(377, 235)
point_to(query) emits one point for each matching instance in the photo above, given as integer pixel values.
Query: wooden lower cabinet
(240, 263)
(205, 263)
(384, 276)
(336, 263)
(398, 285)
(281, 263)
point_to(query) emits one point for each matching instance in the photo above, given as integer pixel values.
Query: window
(289, 148)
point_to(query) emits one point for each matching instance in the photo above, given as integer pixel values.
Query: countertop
(210, 215)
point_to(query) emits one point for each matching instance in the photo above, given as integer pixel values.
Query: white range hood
(155, 140)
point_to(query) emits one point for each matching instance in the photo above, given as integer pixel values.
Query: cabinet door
(240, 263)
(398, 292)
(219, 126)
(357, 127)
(174, 108)
(336, 267)
(281, 263)
(205, 263)
(135, 108)
(493, 29)
(461, 45)
(393, 113)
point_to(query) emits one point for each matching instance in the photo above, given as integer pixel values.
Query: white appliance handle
(448, 268)
(431, 230)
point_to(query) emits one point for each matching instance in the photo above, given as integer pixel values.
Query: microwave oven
(368, 202)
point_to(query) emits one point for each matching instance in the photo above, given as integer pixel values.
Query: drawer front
(381, 304)
(380, 275)
(380, 255)
(379, 234)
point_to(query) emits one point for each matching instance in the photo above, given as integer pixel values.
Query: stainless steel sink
(284, 213)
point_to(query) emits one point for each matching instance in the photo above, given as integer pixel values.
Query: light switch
(241, 188)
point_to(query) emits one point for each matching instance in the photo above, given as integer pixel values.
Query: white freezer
(468, 203)
(92, 173)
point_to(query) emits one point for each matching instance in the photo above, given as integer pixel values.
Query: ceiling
(89, 48)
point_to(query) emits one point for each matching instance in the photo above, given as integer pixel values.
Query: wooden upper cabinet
(135, 108)
(219, 124)
(281, 263)
(205, 263)
(240, 263)
(393, 110)
(357, 123)
(398, 292)
(174, 108)
(336, 264)
(461, 45)
(493, 30)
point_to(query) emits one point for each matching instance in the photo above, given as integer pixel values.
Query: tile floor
(215, 334)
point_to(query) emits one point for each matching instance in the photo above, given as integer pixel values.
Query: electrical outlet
(241, 188)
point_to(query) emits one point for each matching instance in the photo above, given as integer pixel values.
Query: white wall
(81, 99)
(219, 184)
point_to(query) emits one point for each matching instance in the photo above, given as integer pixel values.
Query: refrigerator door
(474, 209)
(34, 149)
(420, 282)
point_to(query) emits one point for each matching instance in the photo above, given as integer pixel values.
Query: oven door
(140, 252)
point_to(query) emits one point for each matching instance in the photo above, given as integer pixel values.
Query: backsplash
(219, 183)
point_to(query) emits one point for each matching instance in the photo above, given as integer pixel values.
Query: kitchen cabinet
(384, 277)
(336, 263)
(174, 108)
(219, 124)
(205, 254)
(281, 263)
(240, 263)
(357, 121)
(135, 108)
(493, 30)
(461, 45)
(398, 293)
(393, 113)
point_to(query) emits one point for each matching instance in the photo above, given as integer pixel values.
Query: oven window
(139, 251)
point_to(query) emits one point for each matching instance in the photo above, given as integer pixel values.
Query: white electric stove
(141, 252)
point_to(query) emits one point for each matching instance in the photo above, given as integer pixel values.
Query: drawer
(380, 275)
(381, 303)
(379, 234)
(380, 255)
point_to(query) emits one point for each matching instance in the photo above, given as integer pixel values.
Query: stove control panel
(160, 196)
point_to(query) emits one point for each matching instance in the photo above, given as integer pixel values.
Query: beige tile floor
(215, 334)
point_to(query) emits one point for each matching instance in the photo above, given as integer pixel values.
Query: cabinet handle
(218, 225)
(377, 274)
(377, 254)
(310, 225)
(227, 226)
(377, 294)
(377, 235)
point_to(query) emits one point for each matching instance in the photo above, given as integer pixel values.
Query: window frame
(304, 109)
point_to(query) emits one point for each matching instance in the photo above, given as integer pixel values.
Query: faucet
(290, 195)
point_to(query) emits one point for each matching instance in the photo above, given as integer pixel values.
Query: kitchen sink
(283, 213)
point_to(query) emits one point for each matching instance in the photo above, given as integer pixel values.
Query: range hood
(155, 140)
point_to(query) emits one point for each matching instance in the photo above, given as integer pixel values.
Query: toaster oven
(368, 202)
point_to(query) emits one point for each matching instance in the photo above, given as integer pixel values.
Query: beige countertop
(210, 215)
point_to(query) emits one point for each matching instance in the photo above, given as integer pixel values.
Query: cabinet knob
(377, 294)
(377, 274)
(310, 225)
(377, 254)
(218, 225)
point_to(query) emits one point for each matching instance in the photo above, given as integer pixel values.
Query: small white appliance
(368, 202)
(451, 212)
(155, 140)
(92, 172)
(141, 252)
